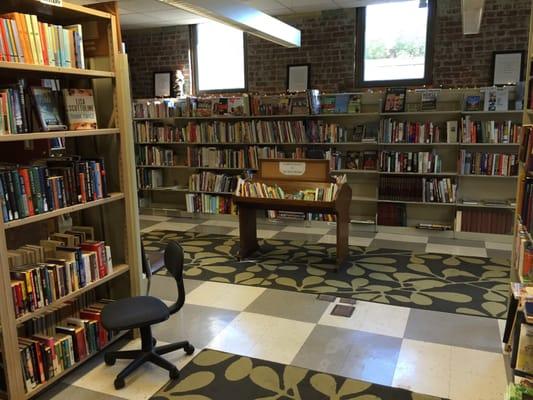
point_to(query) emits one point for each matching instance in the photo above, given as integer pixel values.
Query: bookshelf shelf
(259, 144)
(166, 166)
(48, 69)
(420, 173)
(117, 271)
(51, 381)
(517, 113)
(252, 117)
(424, 203)
(384, 144)
(422, 113)
(503, 206)
(57, 134)
(196, 168)
(364, 199)
(489, 145)
(186, 191)
(488, 176)
(62, 211)
(355, 171)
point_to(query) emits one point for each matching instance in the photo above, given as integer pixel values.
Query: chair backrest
(145, 263)
(174, 264)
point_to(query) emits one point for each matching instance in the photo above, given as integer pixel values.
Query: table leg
(343, 235)
(511, 315)
(247, 232)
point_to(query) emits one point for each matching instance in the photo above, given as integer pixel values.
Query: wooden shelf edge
(422, 203)
(55, 134)
(117, 271)
(56, 70)
(251, 117)
(51, 381)
(66, 210)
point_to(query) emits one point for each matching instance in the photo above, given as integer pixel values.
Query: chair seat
(134, 312)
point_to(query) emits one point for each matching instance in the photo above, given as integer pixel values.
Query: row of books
(154, 132)
(156, 156)
(60, 182)
(421, 162)
(210, 182)
(393, 131)
(433, 190)
(362, 160)
(64, 263)
(262, 190)
(209, 204)
(525, 203)
(484, 221)
(489, 131)
(161, 108)
(495, 164)
(523, 250)
(25, 39)
(212, 157)
(149, 178)
(25, 108)
(46, 354)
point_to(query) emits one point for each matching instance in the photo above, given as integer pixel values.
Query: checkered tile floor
(442, 354)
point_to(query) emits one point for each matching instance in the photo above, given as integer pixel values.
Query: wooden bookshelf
(115, 217)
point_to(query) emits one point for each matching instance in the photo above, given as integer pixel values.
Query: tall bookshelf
(114, 218)
(365, 183)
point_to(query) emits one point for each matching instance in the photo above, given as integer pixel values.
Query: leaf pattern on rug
(439, 282)
(215, 375)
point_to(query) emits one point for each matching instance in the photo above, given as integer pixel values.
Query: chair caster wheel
(189, 349)
(174, 373)
(119, 383)
(109, 359)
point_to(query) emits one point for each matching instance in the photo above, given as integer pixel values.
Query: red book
(99, 249)
(27, 189)
(96, 315)
(44, 43)
(4, 40)
(50, 342)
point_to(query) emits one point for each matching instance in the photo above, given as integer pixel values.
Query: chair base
(147, 353)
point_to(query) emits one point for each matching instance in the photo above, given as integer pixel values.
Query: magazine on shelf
(47, 109)
(79, 109)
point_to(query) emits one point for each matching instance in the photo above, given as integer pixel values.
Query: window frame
(360, 53)
(194, 56)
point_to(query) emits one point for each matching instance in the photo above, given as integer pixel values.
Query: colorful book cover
(47, 109)
(354, 103)
(473, 103)
(80, 109)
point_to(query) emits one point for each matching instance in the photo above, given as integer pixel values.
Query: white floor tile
(222, 295)
(353, 240)
(158, 218)
(499, 246)
(221, 222)
(170, 226)
(375, 318)
(401, 238)
(306, 229)
(456, 250)
(424, 368)
(265, 337)
(477, 375)
(141, 384)
(261, 233)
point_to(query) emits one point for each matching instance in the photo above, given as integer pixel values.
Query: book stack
(421, 162)
(161, 108)
(393, 131)
(433, 190)
(392, 214)
(47, 352)
(489, 131)
(149, 132)
(495, 164)
(322, 132)
(24, 39)
(484, 221)
(42, 274)
(293, 104)
(148, 178)
(211, 106)
(279, 132)
(36, 189)
(209, 204)
(210, 182)
(156, 156)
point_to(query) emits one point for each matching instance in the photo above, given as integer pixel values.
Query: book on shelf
(25, 39)
(484, 221)
(149, 178)
(163, 108)
(496, 99)
(209, 204)
(156, 156)
(428, 99)
(418, 189)
(47, 109)
(340, 103)
(524, 357)
(211, 182)
(394, 100)
(290, 104)
(79, 109)
(420, 162)
(472, 103)
(492, 164)
(489, 131)
(451, 131)
(523, 252)
(393, 131)
(433, 227)
(220, 106)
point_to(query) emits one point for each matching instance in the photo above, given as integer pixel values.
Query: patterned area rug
(438, 282)
(214, 375)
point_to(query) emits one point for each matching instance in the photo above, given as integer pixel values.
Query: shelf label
(292, 168)
(57, 3)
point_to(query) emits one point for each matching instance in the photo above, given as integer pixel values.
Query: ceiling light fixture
(243, 17)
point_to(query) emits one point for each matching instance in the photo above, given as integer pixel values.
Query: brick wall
(152, 50)
(328, 44)
(467, 60)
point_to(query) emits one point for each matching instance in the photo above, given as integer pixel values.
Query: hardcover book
(473, 103)
(394, 100)
(79, 109)
(47, 109)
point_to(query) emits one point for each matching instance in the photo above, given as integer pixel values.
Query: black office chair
(142, 312)
(152, 262)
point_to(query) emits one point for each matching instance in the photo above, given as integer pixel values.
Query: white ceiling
(137, 14)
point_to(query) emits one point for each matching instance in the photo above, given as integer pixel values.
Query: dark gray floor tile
(289, 305)
(297, 236)
(502, 254)
(395, 245)
(215, 230)
(146, 224)
(456, 242)
(63, 391)
(453, 329)
(350, 353)
(197, 324)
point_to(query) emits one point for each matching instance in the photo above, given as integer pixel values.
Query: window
(394, 45)
(219, 58)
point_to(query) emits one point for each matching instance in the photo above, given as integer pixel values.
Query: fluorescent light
(243, 17)
(472, 11)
